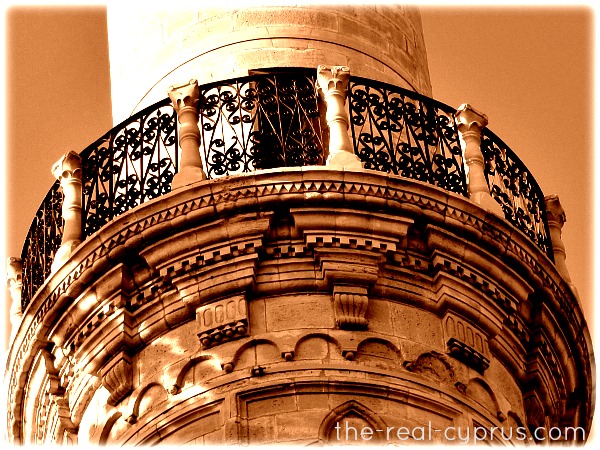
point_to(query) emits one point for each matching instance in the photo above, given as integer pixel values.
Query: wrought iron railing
(514, 188)
(260, 122)
(42, 242)
(277, 120)
(132, 163)
(402, 132)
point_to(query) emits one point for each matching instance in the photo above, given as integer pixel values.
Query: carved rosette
(350, 305)
(222, 321)
(117, 377)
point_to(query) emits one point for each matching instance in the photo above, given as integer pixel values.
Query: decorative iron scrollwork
(42, 242)
(514, 188)
(260, 122)
(401, 132)
(133, 163)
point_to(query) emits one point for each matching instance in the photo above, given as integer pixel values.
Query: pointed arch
(351, 408)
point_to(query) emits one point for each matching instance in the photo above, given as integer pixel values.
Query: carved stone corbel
(470, 122)
(117, 378)
(68, 171)
(350, 306)
(332, 83)
(222, 321)
(185, 99)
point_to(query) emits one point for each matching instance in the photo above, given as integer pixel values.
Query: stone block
(294, 312)
(261, 430)
(313, 348)
(271, 406)
(417, 325)
(297, 425)
(379, 316)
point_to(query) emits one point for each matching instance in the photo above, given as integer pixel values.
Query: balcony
(276, 120)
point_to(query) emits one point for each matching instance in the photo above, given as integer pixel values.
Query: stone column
(68, 171)
(185, 99)
(14, 281)
(332, 83)
(470, 123)
(556, 219)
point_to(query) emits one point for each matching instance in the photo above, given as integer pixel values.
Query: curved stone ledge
(312, 251)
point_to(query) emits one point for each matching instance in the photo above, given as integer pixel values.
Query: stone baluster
(332, 83)
(68, 171)
(470, 123)
(556, 217)
(185, 100)
(14, 281)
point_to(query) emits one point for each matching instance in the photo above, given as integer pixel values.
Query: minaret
(290, 242)
(153, 49)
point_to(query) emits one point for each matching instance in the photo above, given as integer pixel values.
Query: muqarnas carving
(222, 321)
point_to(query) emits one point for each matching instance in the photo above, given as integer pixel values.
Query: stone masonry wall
(151, 49)
(268, 308)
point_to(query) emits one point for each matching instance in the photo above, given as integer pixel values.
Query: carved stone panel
(222, 321)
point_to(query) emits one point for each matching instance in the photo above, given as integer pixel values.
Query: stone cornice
(262, 192)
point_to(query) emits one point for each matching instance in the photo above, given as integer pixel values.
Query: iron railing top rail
(276, 119)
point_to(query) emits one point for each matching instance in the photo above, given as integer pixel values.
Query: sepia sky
(529, 69)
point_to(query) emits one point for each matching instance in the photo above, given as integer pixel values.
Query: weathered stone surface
(282, 246)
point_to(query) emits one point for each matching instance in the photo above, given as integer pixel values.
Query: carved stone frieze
(222, 321)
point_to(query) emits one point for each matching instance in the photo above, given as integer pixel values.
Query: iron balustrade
(42, 241)
(132, 163)
(514, 188)
(278, 120)
(402, 132)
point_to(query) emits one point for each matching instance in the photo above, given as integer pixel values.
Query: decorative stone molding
(222, 321)
(332, 83)
(14, 282)
(466, 344)
(185, 99)
(470, 122)
(350, 306)
(68, 171)
(117, 377)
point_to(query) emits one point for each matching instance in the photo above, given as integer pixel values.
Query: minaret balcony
(271, 121)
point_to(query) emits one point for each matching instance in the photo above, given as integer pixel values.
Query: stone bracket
(350, 305)
(222, 321)
(117, 377)
(467, 355)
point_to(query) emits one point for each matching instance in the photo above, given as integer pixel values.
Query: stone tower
(298, 245)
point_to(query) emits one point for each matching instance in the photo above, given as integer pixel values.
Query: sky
(529, 69)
